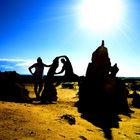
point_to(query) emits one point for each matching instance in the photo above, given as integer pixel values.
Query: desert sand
(35, 121)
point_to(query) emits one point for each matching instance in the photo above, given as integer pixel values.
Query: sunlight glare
(100, 15)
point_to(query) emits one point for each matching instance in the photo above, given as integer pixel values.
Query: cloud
(15, 64)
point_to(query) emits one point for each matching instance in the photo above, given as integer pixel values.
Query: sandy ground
(24, 121)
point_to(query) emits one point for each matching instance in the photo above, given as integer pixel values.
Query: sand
(35, 121)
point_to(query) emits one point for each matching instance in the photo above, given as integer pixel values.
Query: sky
(75, 28)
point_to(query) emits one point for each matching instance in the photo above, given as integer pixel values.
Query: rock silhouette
(102, 96)
(12, 88)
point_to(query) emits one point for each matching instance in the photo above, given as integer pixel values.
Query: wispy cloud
(15, 64)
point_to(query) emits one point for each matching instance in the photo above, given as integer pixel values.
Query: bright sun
(100, 15)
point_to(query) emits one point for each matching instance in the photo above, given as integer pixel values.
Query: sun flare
(100, 15)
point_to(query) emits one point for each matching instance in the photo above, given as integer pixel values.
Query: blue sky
(49, 28)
